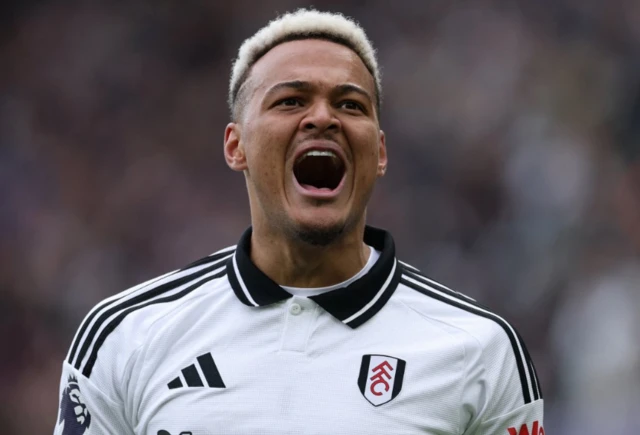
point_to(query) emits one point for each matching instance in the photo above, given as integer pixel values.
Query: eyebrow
(348, 88)
(299, 85)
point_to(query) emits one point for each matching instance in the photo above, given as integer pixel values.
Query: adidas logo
(192, 376)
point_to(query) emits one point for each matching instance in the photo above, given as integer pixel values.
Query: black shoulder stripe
(415, 274)
(533, 374)
(464, 305)
(87, 321)
(537, 394)
(407, 266)
(88, 367)
(118, 304)
(213, 257)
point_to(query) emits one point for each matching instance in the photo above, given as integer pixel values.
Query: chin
(320, 226)
(317, 228)
(319, 235)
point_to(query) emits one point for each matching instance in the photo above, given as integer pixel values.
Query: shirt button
(295, 309)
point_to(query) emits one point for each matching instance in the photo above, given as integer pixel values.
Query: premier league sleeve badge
(74, 414)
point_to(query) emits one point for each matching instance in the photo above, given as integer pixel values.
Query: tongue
(314, 188)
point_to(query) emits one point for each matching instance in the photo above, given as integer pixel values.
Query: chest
(307, 381)
(291, 395)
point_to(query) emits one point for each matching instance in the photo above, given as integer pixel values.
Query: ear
(233, 150)
(382, 155)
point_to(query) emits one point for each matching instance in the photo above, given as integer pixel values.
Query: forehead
(318, 61)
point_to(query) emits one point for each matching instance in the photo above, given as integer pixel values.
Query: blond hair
(302, 24)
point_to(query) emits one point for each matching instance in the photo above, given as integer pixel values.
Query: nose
(320, 118)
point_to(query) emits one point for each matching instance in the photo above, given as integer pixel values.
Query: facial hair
(320, 236)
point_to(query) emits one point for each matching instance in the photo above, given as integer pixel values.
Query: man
(310, 325)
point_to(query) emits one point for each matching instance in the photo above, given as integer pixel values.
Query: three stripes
(192, 377)
(105, 317)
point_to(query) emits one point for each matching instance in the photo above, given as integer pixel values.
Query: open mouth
(319, 169)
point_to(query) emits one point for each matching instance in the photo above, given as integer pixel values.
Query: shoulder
(492, 344)
(119, 324)
(441, 303)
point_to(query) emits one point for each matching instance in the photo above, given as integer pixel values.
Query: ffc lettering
(524, 430)
(379, 377)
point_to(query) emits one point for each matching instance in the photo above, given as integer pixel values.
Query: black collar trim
(353, 305)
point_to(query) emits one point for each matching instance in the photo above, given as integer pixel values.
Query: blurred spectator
(514, 173)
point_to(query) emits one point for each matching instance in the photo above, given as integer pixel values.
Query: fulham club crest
(380, 378)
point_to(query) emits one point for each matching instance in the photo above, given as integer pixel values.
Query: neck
(296, 263)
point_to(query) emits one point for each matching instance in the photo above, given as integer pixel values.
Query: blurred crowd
(513, 131)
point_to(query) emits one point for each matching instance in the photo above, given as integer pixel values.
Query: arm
(85, 409)
(501, 395)
(526, 420)
(94, 401)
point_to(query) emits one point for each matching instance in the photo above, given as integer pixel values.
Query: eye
(289, 102)
(352, 105)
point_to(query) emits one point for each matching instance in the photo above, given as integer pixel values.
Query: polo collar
(353, 305)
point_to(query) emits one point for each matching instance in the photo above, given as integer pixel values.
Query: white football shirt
(219, 348)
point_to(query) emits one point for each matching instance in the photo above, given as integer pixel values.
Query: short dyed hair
(303, 24)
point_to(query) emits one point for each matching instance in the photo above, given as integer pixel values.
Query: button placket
(295, 309)
(299, 321)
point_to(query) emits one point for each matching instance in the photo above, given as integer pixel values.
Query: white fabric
(314, 291)
(292, 368)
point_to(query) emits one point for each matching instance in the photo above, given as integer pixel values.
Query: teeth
(318, 153)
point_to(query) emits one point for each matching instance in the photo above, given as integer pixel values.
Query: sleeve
(501, 394)
(526, 420)
(85, 409)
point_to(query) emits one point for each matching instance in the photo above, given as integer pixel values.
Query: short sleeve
(86, 410)
(94, 396)
(501, 390)
(527, 419)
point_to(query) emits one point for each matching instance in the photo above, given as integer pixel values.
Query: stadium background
(513, 131)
